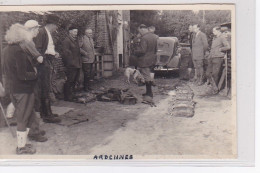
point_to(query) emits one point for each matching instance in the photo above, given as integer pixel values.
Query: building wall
(126, 37)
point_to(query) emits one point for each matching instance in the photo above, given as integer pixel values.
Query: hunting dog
(137, 77)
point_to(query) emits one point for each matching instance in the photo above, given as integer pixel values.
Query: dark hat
(142, 26)
(227, 25)
(72, 27)
(52, 19)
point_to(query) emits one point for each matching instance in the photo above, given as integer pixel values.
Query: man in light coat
(199, 47)
(88, 57)
(217, 52)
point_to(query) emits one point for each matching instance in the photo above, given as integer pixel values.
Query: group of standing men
(28, 68)
(200, 53)
(145, 55)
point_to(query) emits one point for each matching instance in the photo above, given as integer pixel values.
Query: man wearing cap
(45, 45)
(152, 30)
(217, 53)
(32, 27)
(72, 61)
(146, 55)
(28, 46)
(88, 57)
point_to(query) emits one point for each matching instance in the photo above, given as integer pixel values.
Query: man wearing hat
(45, 45)
(152, 30)
(72, 61)
(88, 57)
(146, 57)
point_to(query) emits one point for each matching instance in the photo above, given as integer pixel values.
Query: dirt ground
(140, 130)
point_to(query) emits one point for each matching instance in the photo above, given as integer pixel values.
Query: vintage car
(170, 54)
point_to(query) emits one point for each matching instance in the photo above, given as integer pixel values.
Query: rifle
(3, 112)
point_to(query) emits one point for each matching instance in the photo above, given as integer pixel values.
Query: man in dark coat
(146, 54)
(45, 45)
(22, 77)
(72, 61)
(190, 64)
(199, 47)
(152, 30)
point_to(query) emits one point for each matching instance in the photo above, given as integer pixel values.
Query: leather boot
(67, 92)
(50, 118)
(37, 137)
(48, 106)
(87, 84)
(43, 108)
(146, 86)
(148, 89)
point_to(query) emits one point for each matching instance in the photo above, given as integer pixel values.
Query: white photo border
(245, 57)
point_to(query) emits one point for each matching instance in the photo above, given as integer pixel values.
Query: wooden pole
(203, 16)
(226, 66)
(1, 44)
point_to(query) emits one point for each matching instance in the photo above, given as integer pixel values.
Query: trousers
(44, 86)
(72, 78)
(45, 73)
(213, 69)
(87, 69)
(145, 71)
(24, 110)
(198, 65)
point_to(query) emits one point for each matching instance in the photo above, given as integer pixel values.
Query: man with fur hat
(22, 76)
(72, 61)
(45, 45)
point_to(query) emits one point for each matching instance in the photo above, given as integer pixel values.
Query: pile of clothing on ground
(182, 104)
(85, 97)
(124, 96)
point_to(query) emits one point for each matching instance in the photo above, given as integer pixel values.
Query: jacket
(71, 53)
(87, 49)
(30, 49)
(41, 41)
(18, 69)
(199, 46)
(190, 37)
(146, 52)
(219, 44)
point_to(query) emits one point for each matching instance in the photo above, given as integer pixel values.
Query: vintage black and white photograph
(118, 83)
